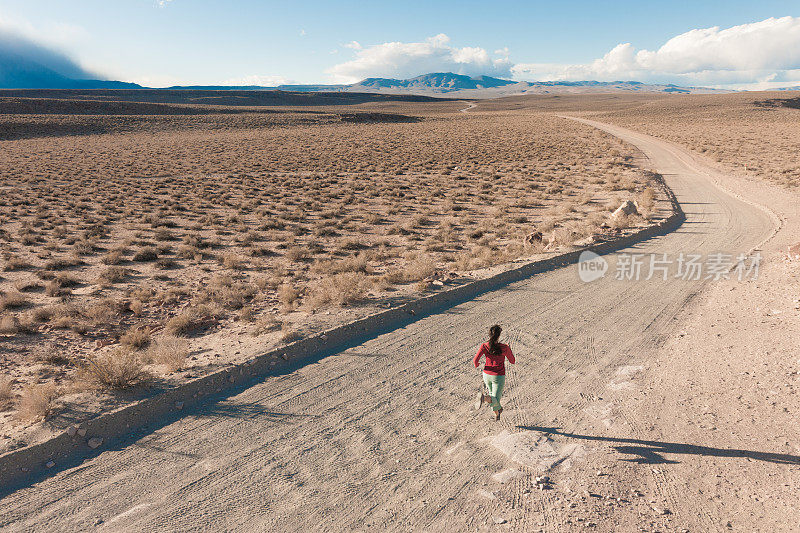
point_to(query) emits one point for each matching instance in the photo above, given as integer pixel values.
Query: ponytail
(494, 336)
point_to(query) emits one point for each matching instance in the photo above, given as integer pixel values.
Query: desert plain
(147, 243)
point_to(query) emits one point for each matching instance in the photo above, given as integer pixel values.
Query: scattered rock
(534, 238)
(793, 253)
(50, 464)
(71, 431)
(627, 208)
(178, 405)
(284, 357)
(98, 521)
(82, 432)
(94, 442)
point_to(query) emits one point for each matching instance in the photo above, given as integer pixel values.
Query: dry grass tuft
(341, 289)
(36, 402)
(117, 369)
(6, 393)
(136, 338)
(168, 351)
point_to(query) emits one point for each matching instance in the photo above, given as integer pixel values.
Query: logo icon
(591, 266)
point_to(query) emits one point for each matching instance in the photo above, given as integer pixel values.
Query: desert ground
(660, 404)
(137, 246)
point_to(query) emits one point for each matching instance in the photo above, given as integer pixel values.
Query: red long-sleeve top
(495, 364)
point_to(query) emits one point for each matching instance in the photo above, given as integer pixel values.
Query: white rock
(95, 442)
(499, 520)
(627, 208)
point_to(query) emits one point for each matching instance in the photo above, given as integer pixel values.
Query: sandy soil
(653, 405)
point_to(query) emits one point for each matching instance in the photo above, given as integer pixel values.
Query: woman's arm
(510, 356)
(477, 359)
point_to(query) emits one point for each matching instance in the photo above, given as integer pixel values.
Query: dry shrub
(341, 289)
(266, 324)
(145, 254)
(168, 351)
(181, 324)
(136, 307)
(6, 393)
(12, 300)
(9, 325)
(114, 257)
(117, 369)
(355, 263)
(296, 254)
(232, 261)
(136, 338)
(246, 314)
(288, 295)
(53, 289)
(189, 320)
(15, 263)
(36, 402)
(622, 221)
(27, 285)
(290, 335)
(102, 312)
(646, 201)
(112, 274)
(420, 268)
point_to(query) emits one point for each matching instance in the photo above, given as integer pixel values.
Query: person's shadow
(650, 451)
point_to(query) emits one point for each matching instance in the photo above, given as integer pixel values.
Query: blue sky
(209, 42)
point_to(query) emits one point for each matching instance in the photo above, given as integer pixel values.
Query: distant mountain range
(458, 85)
(18, 72)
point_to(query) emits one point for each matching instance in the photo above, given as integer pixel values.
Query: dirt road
(384, 436)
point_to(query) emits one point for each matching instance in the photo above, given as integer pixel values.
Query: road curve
(384, 436)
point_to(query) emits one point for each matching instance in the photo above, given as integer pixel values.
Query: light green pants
(495, 385)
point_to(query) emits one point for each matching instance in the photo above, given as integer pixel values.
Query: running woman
(494, 370)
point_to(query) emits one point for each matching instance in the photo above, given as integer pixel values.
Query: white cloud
(162, 3)
(44, 44)
(759, 52)
(405, 60)
(264, 81)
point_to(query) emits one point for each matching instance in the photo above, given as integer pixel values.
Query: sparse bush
(12, 300)
(112, 274)
(146, 254)
(168, 351)
(288, 295)
(114, 257)
(296, 254)
(6, 393)
(15, 263)
(117, 369)
(136, 338)
(9, 325)
(266, 324)
(36, 402)
(341, 289)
